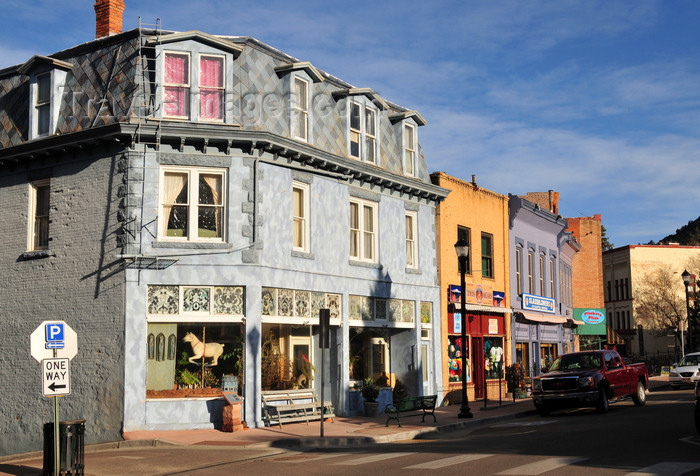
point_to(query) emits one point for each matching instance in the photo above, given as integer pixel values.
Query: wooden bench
(419, 406)
(292, 406)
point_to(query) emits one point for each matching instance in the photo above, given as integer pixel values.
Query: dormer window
(298, 81)
(47, 78)
(409, 149)
(300, 108)
(178, 87)
(363, 106)
(363, 132)
(407, 123)
(42, 103)
(193, 68)
(211, 87)
(176, 96)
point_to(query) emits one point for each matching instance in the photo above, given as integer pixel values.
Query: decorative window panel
(203, 300)
(395, 310)
(302, 303)
(380, 308)
(426, 312)
(279, 302)
(229, 300)
(163, 300)
(408, 311)
(196, 300)
(285, 302)
(269, 302)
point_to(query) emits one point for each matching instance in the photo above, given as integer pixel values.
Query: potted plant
(370, 392)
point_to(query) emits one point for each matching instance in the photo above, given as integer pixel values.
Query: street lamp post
(462, 249)
(688, 281)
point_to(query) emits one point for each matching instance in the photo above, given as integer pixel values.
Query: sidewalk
(342, 431)
(161, 448)
(161, 451)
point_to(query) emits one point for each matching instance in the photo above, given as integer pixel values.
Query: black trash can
(71, 437)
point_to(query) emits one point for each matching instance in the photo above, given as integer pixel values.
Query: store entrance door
(478, 366)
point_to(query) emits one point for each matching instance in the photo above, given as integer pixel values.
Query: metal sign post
(54, 344)
(324, 318)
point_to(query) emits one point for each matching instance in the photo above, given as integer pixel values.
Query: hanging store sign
(532, 302)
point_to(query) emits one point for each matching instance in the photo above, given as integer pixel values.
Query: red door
(477, 358)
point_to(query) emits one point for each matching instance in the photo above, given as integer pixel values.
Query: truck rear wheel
(603, 404)
(640, 396)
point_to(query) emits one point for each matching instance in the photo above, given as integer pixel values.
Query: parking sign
(55, 332)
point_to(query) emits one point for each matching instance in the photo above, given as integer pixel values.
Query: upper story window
(411, 237)
(409, 149)
(39, 203)
(192, 204)
(487, 255)
(211, 87)
(363, 132)
(42, 103)
(297, 82)
(300, 109)
(363, 230)
(552, 267)
(543, 291)
(530, 271)
(47, 80)
(464, 233)
(518, 270)
(178, 86)
(300, 216)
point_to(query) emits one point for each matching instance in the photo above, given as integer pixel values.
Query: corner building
(163, 186)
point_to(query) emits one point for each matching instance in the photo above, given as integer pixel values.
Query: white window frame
(364, 232)
(193, 206)
(221, 88)
(37, 218)
(367, 142)
(518, 270)
(409, 140)
(300, 222)
(411, 239)
(543, 291)
(300, 108)
(186, 85)
(42, 105)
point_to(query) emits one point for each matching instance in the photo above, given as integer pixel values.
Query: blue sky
(598, 100)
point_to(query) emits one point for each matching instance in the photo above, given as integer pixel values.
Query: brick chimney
(108, 14)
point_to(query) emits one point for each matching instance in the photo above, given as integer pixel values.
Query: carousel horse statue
(200, 349)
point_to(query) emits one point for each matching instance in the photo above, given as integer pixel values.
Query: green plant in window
(187, 379)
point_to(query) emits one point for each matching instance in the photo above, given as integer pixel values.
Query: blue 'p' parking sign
(55, 335)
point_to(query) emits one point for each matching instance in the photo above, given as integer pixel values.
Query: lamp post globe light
(462, 249)
(688, 282)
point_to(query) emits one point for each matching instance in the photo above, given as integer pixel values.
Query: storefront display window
(454, 359)
(194, 339)
(369, 356)
(548, 352)
(187, 356)
(493, 352)
(287, 358)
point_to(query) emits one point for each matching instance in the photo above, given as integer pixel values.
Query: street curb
(423, 433)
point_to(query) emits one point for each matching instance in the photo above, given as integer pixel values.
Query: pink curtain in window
(211, 88)
(176, 73)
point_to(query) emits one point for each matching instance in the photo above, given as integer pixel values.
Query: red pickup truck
(589, 379)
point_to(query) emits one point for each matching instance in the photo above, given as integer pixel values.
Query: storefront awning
(546, 318)
(481, 308)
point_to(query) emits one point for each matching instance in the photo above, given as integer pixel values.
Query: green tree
(659, 302)
(604, 240)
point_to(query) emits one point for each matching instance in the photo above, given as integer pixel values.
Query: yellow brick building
(480, 217)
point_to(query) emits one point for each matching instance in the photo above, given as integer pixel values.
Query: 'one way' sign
(55, 377)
